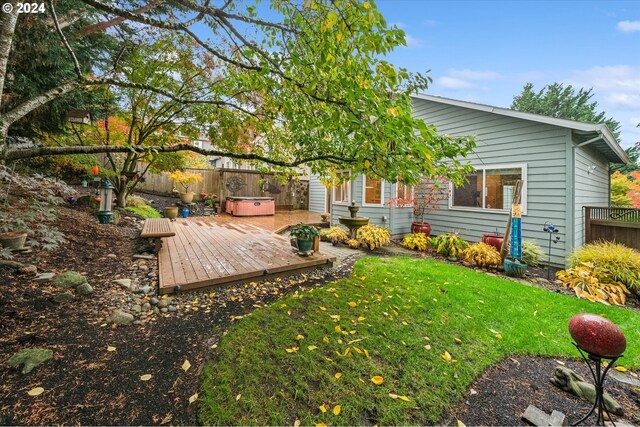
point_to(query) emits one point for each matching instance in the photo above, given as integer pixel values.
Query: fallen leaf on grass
(186, 365)
(145, 377)
(321, 425)
(296, 423)
(300, 337)
(366, 353)
(361, 318)
(393, 395)
(35, 391)
(193, 398)
(338, 375)
(446, 356)
(238, 397)
(110, 348)
(336, 410)
(322, 408)
(352, 304)
(458, 340)
(427, 347)
(323, 308)
(312, 347)
(461, 424)
(377, 380)
(405, 398)
(499, 336)
(292, 349)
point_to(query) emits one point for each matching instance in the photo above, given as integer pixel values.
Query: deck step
(157, 227)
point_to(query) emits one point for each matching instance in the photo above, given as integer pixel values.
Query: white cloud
(619, 99)
(629, 26)
(467, 74)
(453, 83)
(412, 41)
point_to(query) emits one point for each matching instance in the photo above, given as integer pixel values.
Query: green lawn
(394, 318)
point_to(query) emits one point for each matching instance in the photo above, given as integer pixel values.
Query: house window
(373, 191)
(404, 192)
(490, 188)
(342, 190)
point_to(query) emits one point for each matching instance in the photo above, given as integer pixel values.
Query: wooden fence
(621, 225)
(236, 182)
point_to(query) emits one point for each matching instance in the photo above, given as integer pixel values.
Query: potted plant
(426, 200)
(304, 235)
(13, 239)
(171, 212)
(185, 179)
(324, 217)
(493, 239)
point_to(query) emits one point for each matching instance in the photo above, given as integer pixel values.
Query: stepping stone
(539, 418)
(45, 277)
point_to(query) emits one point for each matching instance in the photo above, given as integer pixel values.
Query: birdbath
(597, 338)
(354, 221)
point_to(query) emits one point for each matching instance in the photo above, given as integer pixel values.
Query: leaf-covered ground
(397, 343)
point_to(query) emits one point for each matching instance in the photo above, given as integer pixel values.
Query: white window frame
(411, 195)
(483, 169)
(364, 192)
(348, 190)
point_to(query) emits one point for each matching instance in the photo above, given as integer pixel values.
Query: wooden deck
(218, 250)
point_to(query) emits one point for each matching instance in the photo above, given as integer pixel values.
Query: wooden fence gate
(621, 225)
(236, 182)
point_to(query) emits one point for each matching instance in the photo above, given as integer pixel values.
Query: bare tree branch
(102, 26)
(66, 44)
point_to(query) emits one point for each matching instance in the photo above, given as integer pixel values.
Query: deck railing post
(587, 224)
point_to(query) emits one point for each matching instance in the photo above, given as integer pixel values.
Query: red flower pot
(494, 240)
(421, 227)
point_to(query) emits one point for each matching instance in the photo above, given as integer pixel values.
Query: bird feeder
(106, 199)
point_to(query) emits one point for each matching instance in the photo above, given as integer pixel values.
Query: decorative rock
(597, 335)
(164, 309)
(535, 416)
(28, 269)
(119, 317)
(123, 283)
(31, 358)
(68, 279)
(146, 306)
(154, 301)
(156, 310)
(146, 289)
(172, 308)
(143, 268)
(557, 418)
(163, 303)
(84, 289)
(144, 256)
(137, 308)
(45, 277)
(63, 297)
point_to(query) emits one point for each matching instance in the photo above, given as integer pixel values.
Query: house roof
(597, 136)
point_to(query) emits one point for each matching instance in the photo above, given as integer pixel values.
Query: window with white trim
(373, 190)
(404, 192)
(490, 188)
(342, 190)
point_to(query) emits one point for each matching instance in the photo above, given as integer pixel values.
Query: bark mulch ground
(86, 384)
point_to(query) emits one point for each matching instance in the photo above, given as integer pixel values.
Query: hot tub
(250, 206)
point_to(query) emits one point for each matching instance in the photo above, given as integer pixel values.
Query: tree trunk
(7, 28)
(121, 197)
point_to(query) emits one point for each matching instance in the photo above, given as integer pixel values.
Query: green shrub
(416, 241)
(136, 202)
(532, 254)
(591, 283)
(145, 211)
(373, 236)
(482, 255)
(449, 245)
(616, 262)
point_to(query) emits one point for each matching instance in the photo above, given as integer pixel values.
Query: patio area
(208, 251)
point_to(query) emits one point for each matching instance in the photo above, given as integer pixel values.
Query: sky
(485, 51)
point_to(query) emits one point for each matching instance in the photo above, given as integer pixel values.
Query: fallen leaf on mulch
(145, 377)
(193, 398)
(35, 391)
(186, 365)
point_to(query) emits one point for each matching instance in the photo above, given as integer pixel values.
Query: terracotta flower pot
(186, 197)
(171, 212)
(421, 227)
(13, 239)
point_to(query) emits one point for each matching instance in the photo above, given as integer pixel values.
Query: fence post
(587, 224)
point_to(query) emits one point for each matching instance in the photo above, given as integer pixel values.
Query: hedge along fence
(235, 182)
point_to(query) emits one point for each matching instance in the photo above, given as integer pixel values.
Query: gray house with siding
(564, 165)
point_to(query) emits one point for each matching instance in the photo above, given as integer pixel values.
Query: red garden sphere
(597, 335)
(95, 170)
